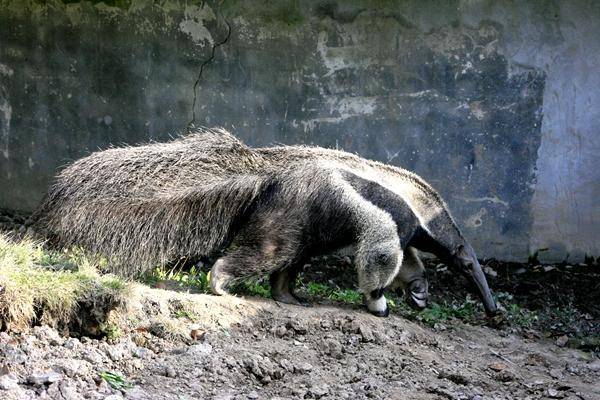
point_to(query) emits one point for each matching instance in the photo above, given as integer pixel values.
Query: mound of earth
(196, 346)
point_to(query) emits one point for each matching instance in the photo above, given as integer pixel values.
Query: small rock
(298, 326)
(556, 373)
(252, 395)
(489, 271)
(505, 376)
(142, 352)
(114, 397)
(497, 366)
(198, 334)
(8, 381)
(44, 378)
(115, 353)
(562, 341)
(554, 394)
(594, 366)
(365, 333)
(287, 365)
(170, 372)
(71, 343)
(280, 331)
(332, 348)
(439, 327)
(201, 348)
(303, 367)
(319, 391)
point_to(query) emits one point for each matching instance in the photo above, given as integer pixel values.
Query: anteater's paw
(302, 301)
(378, 306)
(289, 298)
(218, 282)
(383, 313)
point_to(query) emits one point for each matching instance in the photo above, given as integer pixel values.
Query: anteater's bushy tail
(138, 230)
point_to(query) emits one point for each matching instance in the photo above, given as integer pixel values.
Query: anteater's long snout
(478, 277)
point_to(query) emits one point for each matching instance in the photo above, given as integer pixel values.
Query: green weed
(115, 381)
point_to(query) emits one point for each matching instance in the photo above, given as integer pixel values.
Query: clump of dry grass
(63, 290)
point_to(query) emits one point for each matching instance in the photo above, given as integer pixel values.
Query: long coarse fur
(148, 205)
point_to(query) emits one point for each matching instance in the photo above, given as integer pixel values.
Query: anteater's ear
(462, 253)
(464, 257)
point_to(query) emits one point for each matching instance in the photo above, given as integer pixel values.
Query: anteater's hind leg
(264, 245)
(283, 283)
(219, 277)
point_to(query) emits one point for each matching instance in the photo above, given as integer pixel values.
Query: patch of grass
(111, 331)
(48, 287)
(437, 312)
(253, 287)
(318, 289)
(516, 314)
(115, 381)
(195, 278)
(346, 296)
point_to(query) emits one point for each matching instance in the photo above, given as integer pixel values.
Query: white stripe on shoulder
(407, 191)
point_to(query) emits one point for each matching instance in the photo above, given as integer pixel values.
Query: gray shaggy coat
(257, 210)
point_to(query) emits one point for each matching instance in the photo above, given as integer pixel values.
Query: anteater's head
(449, 245)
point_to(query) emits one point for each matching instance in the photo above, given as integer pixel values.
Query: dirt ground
(258, 349)
(172, 344)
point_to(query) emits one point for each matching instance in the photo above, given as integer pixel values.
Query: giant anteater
(258, 210)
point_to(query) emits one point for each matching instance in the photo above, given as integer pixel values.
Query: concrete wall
(496, 103)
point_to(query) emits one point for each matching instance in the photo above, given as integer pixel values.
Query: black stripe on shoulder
(401, 212)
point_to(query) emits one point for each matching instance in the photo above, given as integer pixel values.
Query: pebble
(44, 378)
(142, 352)
(170, 372)
(366, 333)
(280, 331)
(319, 391)
(554, 394)
(200, 348)
(8, 381)
(303, 367)
(594, 366)
(332, 348)
(71, 343)
(556, 373)
(497, 366)
(562, 341)
(287, 365)
(298, 326)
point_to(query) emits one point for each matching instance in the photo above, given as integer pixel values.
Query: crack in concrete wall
(206, 63)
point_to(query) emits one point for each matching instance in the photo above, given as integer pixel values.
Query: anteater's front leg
(378, 252)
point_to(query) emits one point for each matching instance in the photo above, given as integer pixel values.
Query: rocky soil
(178, 345)
(258, 349)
